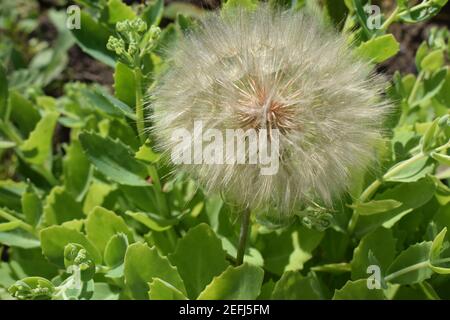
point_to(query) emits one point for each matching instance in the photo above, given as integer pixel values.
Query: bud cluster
(134, 40)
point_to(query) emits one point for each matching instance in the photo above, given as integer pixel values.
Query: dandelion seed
(266, 69)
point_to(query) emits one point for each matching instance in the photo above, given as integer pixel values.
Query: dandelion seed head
(267, 69)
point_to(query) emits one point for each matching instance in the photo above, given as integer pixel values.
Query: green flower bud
(75, 255)
(122, 26)
(116, 45)
(132, 48)
(139, 25)
(155, 32)
(32, 288)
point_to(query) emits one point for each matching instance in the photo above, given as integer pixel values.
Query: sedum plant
(91, 209)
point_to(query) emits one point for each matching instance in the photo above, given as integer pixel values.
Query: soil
(410, 36)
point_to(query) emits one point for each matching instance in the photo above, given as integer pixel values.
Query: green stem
(413, 93)
(406, 270)
(414, 267)
(390, 20)
(140, 124)
(8, 130)
(25, 226)
(139, 104)
(245, 223)
(430, 294)
(47, 174)
(419, 6)
(367, 194)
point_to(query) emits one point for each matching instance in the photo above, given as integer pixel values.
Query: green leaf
(428, 138)
(121, 129)
(103, 291)
(381, 243)
(11, 193)
(361, 16)
(433, 85)
(235, 283)
(97, 194)
(436, 246)
(441, 158)
(76, 224)
(92, 38)
(236, 4)
(185, 23)
(3, 93)
(37, 149)
(441, 219)
(440, 3)
(77, 171)
(146, 153)
(60, 207)
(101, 224)
(358, 290)
(337, 11)
(153, 12)
(19, 262)
(420, 54)
(116, 272)
(266, 290)
(412, 265)
(376, 206)
(107, 103)
(153, 221)
(412, 195)
(23, 113)
(435, 252)
(31, 206)
(55, 238)
(411, 172)
(121, 107)
(115, 250)
(162, 290)
(8, 226)
(444, 94)
(19, 238)
(288, 249)
(293, 286)
(142, 264)
(119, 11)
(199, 257)
(124, 84)
(114, 159)
(144, 199)
(163, 241)
(432, 61)
(6, 144)
(379, 49)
